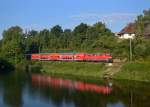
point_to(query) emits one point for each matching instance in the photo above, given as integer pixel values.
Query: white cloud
(106, 18)
(32, 27)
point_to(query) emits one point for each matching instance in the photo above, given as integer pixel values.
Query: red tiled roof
(130, 28)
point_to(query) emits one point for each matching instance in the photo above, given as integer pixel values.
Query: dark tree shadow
(5, 66)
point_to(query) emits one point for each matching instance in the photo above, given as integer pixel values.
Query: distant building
(127, 32)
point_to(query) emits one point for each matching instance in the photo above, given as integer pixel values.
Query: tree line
(16, 43)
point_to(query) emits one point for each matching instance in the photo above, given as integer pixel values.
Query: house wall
(127, 36)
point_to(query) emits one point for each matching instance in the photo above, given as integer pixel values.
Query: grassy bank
(76, 69)
(139, 71)
(128, 71)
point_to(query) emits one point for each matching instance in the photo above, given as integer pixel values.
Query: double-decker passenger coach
(97, 57)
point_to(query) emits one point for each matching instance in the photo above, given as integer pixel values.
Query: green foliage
(12, 46)
(81, 29)
(141, 46)
(83, 38)
(142, 21)
(57, 31)
(135, 71)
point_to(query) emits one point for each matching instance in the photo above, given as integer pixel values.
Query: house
(127, 32)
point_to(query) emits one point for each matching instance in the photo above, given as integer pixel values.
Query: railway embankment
(139, 71)
(84, 69)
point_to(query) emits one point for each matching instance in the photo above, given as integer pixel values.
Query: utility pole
(130, 49)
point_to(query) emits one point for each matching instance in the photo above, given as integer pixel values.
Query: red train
(104, 57)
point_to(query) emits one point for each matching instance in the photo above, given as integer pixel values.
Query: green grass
(84, 69)
(134, 71)
(139, 71)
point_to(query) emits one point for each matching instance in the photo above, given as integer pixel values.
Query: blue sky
(39, 14)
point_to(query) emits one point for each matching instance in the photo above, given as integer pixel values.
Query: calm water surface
(23, 90)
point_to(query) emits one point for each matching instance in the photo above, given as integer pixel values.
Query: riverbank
(138, 71)
(126, 71)
(84, 69)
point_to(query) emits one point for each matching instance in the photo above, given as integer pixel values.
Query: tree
(66, 38)
(12, 47)
(32, 33)
(57, 31)
(142, 21)
(140, 50)
(94, 38)
(43, 39)
(80, 29)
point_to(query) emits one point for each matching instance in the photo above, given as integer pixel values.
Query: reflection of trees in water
(129, 94)
(132, 94)
(5, 66)
(13, 86)
(55, 95)
(79, 98)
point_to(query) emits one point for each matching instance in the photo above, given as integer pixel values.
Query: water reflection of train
(76, 85)
(104, 57)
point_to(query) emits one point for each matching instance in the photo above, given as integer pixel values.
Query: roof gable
(129, 29)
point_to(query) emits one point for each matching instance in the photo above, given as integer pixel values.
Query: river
(37, 90)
